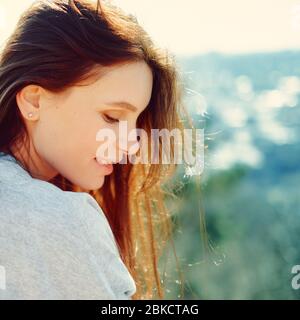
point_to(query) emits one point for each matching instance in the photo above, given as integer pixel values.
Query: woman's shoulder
(42, 205)
(34, 201)
(34, 204)
(27, 194)
(19, 188)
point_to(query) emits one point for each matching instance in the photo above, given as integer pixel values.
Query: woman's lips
(108, 167)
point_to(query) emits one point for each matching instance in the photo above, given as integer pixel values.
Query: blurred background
(240, 60)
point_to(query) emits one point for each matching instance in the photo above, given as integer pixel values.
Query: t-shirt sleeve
(61, 251)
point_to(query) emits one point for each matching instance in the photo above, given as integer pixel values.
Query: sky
(193, 27)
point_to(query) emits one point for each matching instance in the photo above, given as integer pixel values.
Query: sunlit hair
(58, 44)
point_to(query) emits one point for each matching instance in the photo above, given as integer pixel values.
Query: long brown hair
(55, 45)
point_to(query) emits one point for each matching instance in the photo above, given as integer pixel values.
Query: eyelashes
(109, 119)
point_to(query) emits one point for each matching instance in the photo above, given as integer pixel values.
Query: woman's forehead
(131, 82)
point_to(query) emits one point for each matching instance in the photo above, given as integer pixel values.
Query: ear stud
(30, 114)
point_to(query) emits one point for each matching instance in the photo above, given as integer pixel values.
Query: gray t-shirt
(55, 244)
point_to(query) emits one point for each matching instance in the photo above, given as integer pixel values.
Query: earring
(30, 114)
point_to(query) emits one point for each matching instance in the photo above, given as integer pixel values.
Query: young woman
(74, 225)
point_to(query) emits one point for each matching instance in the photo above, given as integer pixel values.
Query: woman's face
(64, 126)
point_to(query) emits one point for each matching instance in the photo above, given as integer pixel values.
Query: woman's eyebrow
(123, 104)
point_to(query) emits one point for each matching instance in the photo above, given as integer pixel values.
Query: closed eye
(110, 119)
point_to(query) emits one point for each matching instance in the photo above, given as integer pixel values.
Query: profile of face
(63, 126)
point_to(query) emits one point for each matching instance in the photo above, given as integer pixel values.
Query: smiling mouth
(104, 161)
(108, 168)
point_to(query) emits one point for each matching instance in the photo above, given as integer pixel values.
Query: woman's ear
(28, 102)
